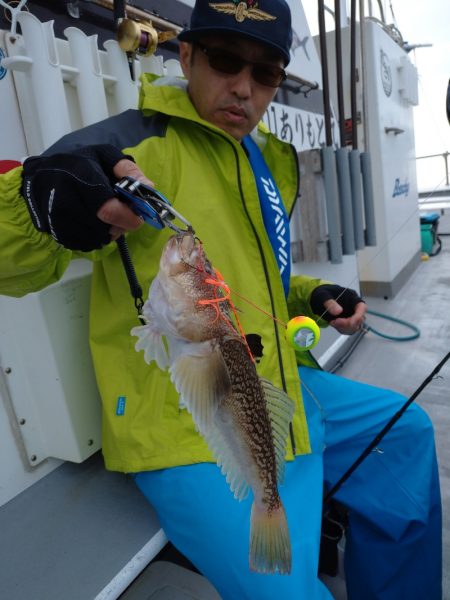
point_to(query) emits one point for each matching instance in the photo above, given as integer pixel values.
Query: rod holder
(357, 198)
(345, 200)
(331, 203)
(369, 204)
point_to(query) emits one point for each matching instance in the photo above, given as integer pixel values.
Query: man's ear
(185, 58)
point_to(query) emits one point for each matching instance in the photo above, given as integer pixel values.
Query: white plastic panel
(12, 138)
(88, 81)
(37, 70)
(63, 85)
(48, 372)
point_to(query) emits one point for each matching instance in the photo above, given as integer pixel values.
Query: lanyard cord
(133, 282)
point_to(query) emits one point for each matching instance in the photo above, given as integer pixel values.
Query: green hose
(405, 338)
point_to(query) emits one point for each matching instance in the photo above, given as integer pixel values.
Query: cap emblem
(242, 10)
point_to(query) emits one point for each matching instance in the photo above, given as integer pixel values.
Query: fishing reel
(141, 38)
(302, 333)
(138, 38)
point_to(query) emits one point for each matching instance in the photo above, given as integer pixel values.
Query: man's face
(233, 102)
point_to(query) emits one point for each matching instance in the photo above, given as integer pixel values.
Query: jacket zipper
(263, 260)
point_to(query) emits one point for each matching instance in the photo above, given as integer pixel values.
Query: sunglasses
(227, 62)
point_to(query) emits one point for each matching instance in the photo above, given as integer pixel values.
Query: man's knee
(419, 422)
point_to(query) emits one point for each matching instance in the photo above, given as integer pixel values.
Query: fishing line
(301, 332)
(348, 286)
(219, 284)
(388, 426)
(217, 281)
(304, 323)
(268, 314)
(383, 247)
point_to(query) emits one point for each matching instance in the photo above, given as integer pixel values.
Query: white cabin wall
(392, 145)
(386, 133)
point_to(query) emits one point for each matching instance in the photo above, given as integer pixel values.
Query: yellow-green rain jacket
(206, 175)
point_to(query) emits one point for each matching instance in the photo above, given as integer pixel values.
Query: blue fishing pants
(393, 543)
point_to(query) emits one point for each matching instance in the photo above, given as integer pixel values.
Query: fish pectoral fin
(232, 463)
(151, 341)
(281, 410)
(202, 380)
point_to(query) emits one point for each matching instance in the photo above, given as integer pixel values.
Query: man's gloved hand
(71, 196)
(341, 307)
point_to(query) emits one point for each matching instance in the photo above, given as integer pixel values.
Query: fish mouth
(186, 243)
(184, 252)
(181, 251)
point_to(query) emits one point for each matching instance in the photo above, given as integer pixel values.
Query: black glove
(64, 192)
(347, 298)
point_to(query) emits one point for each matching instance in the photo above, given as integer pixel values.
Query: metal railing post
(445, 155)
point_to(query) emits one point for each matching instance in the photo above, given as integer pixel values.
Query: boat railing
(434, 168)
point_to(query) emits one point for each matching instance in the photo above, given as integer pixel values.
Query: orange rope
(220, 284)
(276, 319)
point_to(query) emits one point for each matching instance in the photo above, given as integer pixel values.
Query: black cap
(267, 21)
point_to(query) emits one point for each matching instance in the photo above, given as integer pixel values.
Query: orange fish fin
(270, 546)
(151, 341)
(228, 459)
(281, 410)
(201, 378)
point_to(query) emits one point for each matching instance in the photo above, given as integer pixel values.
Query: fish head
(188, 280)
(183, 252)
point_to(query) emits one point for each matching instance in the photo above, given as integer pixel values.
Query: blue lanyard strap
(273, 211)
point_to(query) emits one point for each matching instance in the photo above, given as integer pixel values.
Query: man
(193, 141)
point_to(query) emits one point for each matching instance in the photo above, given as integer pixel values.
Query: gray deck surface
(67, 536)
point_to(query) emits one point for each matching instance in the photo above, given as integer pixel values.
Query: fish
(243, 417)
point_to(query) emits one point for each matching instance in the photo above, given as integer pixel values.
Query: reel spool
(302, 333)
(137, 38)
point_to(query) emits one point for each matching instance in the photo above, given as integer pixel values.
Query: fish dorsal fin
(201, 378)
(281, 410)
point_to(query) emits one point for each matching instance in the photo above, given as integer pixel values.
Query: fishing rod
(335, 519)
(377, 439)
